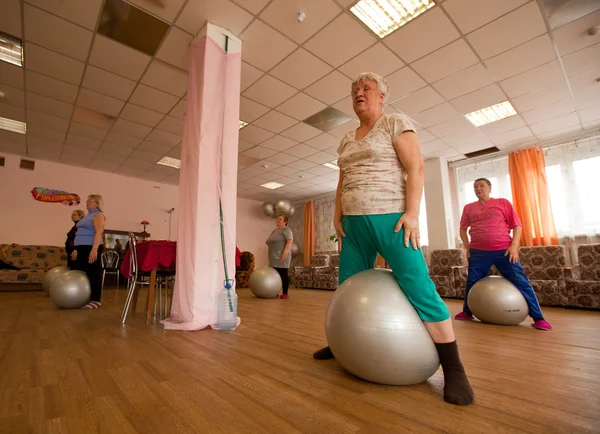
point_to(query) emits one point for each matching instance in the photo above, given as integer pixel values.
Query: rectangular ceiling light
(272, 185)
(171, 162)
(242, 124)
(491, 114)
(332, 165)
(12, 125)
(11, 49)
(385, 16)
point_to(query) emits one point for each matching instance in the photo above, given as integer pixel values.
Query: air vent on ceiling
(482, 152)
(27, 164)
(327, 119)
(2, 160)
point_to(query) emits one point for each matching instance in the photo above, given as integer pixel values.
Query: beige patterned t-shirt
(374, 179)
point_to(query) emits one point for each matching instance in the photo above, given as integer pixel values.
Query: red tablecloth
(151, 254)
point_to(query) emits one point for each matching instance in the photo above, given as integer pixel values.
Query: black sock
(457, 389)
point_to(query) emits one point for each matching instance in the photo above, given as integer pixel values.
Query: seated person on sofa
(70, 242)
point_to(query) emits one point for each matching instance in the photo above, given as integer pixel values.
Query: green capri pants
(367, 235)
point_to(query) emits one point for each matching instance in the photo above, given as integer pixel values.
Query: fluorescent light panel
(171, 162)
(12, 125)
(242, 124)
(332, 165)
(272, 185)
(11, 49)
(491, 114)
(385, 16)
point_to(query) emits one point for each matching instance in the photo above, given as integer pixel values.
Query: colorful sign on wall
(55, 196)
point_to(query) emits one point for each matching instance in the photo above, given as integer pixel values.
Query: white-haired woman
(88, 247)
(377, 211)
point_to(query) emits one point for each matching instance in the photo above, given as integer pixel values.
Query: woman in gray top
(280, 245)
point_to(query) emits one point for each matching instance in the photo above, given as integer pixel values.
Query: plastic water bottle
(227, 312)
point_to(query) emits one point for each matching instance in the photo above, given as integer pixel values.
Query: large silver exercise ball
(495, 300)
(282, 207)
(51, 276)
(269, 209)
(71, 290)
(295, 250)
(292, 211)
(265, 283)
(375, 333)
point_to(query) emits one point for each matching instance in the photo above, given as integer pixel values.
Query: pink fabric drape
(208, 170)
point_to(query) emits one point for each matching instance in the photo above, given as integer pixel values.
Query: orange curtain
(531, 197)
(309, 231)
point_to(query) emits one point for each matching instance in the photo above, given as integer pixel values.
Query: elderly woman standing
(88, 247)
(377, 211)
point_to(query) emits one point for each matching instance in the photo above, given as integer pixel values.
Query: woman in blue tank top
(88, 247)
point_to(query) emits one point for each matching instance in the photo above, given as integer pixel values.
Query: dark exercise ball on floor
(51, 276)
(495, 300)
(265, 283)
(71, 290)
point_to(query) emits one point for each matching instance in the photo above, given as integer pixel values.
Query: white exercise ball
(495, 300)
(268, 209)
(283, 207)
(51, 276)
(71, 290)
(265, 283)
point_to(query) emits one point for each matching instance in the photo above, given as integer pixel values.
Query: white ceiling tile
(301, 164)
(11, 75)
(249, 75)
(265, 166)
(44, 153)
(269, 91)
(13, 96)
(433, 146)
(75, 160)
(321, 170)
(155, 148)
(343, 129)
(83, 142)
(516, 27)
(479, 99)
(587, 99)
(301, 132)
(454, 126)
(448, 153)
(347, 107)
(264, 47)
(165, 10)
(53, 64)
(131, 128)
(300, 69)
(78, 151)
(118, 58)
(279, 143)
(283, 15)
(331, 89)
(555, 124)
(51, 87)
(282, 158)
(166, 78)
(378, 58)
(252, 6)
(418, 101)
(111, 159)
(321, 157)
(87, 131)
(436, 115)
(254, 135)
(44, 120)
(164, 138)
(585, 83)
(141, 115)
(11, 112)
(57, 34)
(534, 79)
(431, 29)
(471, 14)
(143, 156)
(116, 150)
(223, 13)
(340, 41)
(250, 110)
(468, 143)
(259, 152)
(502, 126)
(446, 61)
(582, 61)
(301, 106)
(242, 146)
(82, 13)
(49, 106)
(590, 115)
(284, 171)
(425, 136)
(104, 166)
(14, 138)
(554, 134)
(122, 140)
(100, 103)
(550, 111)
(591, 125)
(175, 153)
(522, 58)
(172, 125)
(540, 98)
(301, 151)
(153, 99)
(10, 19)
(175, 48)
(45, 133)
(463, 82)
(574, 36)
(36, 142)
(178, 111)
(275, 122)
(513, 136)
(107, 83)
(403, 82)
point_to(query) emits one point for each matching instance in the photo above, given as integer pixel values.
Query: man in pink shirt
(491, 221)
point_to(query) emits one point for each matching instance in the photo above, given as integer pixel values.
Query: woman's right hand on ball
(339, 230)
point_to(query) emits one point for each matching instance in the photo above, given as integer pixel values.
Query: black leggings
(93, 271)
(285, 278)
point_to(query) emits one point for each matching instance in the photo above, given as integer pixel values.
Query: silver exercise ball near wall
(265, 283)
(295, 250)
(495, 300)
(71, 290)
(51, 276)
(283, 207)
(376, 334)
(268, 209)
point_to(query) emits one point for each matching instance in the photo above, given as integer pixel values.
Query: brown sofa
(583, 288)
(245, 270)
(31, 263)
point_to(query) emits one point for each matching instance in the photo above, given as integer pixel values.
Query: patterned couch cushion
(245, 270)
(327, 277)
(442, 261)
(589, 261)
(585, 293)
(35, 257)
(543, 262)
(25, 275)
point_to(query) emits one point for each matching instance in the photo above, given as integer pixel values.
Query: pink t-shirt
(490, 224)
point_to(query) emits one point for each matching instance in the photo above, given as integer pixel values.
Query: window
(587, 178)
(558, 199)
